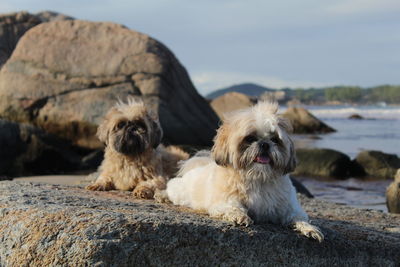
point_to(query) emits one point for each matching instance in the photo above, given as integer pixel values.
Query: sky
(288, 43)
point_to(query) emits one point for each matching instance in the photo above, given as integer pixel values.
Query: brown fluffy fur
(142, 172)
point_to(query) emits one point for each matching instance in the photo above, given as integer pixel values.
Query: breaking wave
(367, 112)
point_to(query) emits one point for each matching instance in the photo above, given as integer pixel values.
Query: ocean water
(380, 130)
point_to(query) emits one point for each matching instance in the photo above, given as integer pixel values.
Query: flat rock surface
(54, 179)
(49, 225)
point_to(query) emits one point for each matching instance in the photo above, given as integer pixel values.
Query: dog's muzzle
(263, 157)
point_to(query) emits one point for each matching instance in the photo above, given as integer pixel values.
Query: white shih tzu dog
(245, 177)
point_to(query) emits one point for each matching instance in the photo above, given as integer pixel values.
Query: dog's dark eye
(276, 139)
(250, 139)
(121, 124)
(141, 124)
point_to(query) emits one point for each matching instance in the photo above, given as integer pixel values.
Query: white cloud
(207, 82)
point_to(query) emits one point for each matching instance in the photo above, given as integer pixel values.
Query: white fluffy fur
(257, 192)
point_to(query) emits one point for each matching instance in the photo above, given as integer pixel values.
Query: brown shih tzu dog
(244, 179)
(133, 157)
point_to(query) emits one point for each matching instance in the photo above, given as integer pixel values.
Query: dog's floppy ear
(292, 162)
(103, 130)
(156, 133)
(102, 133)
(220, 150)
(285, 125)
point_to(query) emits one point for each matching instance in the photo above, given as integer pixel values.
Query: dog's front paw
(238, 217)
(161, 196)
(100, 186)
(143, 192)
(309, 230)
(316, 234)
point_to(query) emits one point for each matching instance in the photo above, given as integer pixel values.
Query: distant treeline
(351, 94)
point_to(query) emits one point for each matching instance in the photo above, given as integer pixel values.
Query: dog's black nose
(264, 145)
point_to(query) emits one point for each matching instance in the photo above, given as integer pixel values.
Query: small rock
(356, 117)
(230, 102)
(378, 164)
(279, 96)
(304, 122)
(323, 163)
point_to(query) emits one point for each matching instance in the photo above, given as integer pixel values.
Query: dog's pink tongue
(262, 159)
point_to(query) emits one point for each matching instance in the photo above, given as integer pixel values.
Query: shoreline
(359, 193)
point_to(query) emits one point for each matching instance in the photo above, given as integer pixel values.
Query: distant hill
(249, 89)
(334, 94)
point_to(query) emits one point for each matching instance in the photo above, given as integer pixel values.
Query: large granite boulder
(393, 195)
(322, 162)
(304, 122)
(12, 27)
(26, 150)
(64, 75)
(378, 164)
(54, 225)
(230, 102)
